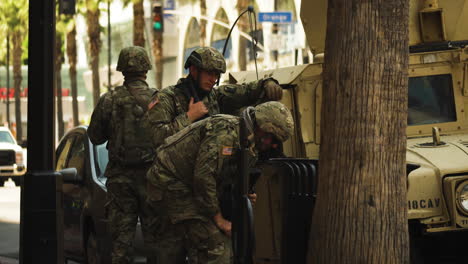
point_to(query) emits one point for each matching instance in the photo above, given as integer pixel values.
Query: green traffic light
(157, 25)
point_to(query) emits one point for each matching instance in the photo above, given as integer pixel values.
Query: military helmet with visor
(275, 118)
(208, 59)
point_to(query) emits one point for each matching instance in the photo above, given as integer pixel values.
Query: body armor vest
(132, 140)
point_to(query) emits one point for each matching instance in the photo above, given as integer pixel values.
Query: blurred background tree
(14, 15)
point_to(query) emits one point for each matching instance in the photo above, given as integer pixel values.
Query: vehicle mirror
(70, 175)
(24, 144)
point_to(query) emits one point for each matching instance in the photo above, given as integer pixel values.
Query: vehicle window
(78, 155)
(6, 137)
(102, 158)
(430, 100)
(62, 154)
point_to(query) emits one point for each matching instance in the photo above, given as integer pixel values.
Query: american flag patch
(153, 103)
(227, 151)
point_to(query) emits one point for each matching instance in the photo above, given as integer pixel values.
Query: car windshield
(102, 158)
(6, 137)
(430, 100)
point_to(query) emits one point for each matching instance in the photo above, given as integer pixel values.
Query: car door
(73, 194)
(62, 155)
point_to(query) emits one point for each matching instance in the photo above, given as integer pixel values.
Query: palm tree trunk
(58, 82)
(17, 52)
(360, 214)
(92, 20)
(72, 58)
(158, 58)
(138, 24)
(203, 23)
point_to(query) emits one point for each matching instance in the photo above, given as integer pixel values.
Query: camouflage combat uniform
(169, 114)
(190, 175)
(116, 119)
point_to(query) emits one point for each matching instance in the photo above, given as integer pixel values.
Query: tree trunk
(138, 24)
(360, 214)
(17, 39)
(158, 57)
(244, 27)
(203, 23)
(72, 59)
(58, 83)
(92, 20)
(8, 80)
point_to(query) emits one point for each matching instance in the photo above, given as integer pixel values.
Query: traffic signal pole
(158, 29)
(41, 232)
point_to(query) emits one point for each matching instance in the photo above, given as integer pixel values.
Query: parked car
(11, 158)
(86, 229)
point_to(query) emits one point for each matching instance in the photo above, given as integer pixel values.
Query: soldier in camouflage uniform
(116, 119)
(190, 173)
(193, 98)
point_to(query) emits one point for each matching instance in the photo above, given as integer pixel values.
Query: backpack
(133, 144)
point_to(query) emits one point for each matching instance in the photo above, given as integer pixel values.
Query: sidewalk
(5, 260)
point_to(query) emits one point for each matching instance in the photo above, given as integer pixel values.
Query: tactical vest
(132, 139)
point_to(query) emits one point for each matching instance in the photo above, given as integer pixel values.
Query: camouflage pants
(199, 240)
(126, 201)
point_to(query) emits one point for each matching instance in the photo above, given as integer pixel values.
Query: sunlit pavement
(9, 222)
(4, 260)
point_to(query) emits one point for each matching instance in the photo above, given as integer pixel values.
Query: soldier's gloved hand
(273, 91)
(196, 110)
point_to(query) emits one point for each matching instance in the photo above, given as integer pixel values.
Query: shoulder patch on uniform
(154, 102)
(227, 151)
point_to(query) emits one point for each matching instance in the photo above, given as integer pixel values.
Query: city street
(9, 220)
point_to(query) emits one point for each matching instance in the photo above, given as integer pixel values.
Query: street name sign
(275, 17)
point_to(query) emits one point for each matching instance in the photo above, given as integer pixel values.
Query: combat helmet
(275, 118)
(208, 59)
(133, 59)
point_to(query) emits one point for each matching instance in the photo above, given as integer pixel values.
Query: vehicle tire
(2, 181)
(92, 252)
(17, 181)
(418, 245)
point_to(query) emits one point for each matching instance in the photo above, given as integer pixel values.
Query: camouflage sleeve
(163, 120)
(99, 127)
(233, 97)
(215, 151)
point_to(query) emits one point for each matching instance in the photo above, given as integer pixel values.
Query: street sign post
(275, 17)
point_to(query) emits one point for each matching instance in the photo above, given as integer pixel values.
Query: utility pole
(275, 33)
(41, 229)
(158, 30)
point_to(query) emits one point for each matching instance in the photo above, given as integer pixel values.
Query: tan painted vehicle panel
(427, 185)
(437, 97)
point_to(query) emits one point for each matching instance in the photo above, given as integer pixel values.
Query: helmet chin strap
(248, 116)
(196, 84)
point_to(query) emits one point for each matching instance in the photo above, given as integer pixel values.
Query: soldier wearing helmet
(116, 119)
(194, 97)
(193, 170)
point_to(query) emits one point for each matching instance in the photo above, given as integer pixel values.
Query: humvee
(437, 137)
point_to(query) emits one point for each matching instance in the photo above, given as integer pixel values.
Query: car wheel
(92, 253)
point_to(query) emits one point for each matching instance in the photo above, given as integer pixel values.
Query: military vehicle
(437, 136)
